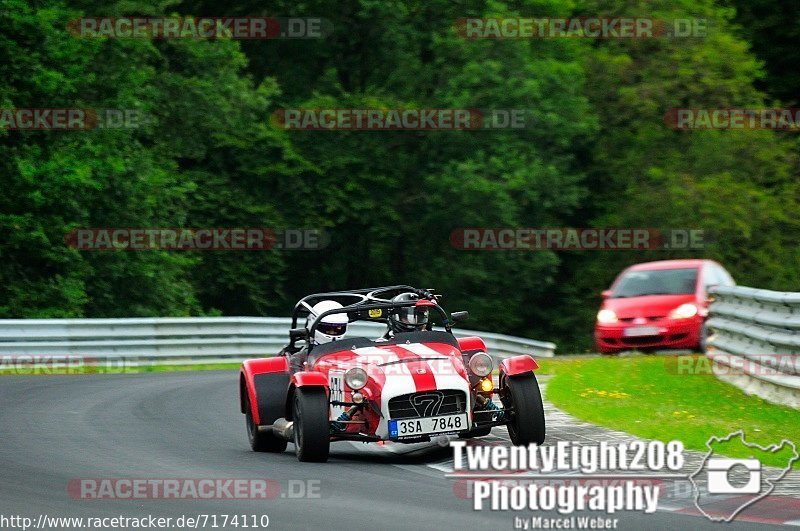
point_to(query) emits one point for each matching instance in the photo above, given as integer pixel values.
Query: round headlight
(481, 364)
(606, 317)
(684, 311)
(355, 378)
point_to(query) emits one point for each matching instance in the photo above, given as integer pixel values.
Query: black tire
(703, 346)
(312, 440)
(526, 424)
(261, 441)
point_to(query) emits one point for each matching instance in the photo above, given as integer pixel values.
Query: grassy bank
(646, 396)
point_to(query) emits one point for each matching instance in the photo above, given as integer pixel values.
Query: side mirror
(606, 293)
(459, 317)
(297, 333)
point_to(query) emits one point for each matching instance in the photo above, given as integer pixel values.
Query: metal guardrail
(189, 340)
(756, 337)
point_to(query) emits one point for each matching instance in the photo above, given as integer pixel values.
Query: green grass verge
(644, 396)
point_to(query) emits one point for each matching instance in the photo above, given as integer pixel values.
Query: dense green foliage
(770, 26)
(209, 156)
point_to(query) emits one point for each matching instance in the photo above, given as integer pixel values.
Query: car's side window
(714, 275)
(723, 277)
(710, 277)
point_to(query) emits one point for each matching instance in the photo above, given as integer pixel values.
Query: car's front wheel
(703, 346)
(526, 422)
(312, 439)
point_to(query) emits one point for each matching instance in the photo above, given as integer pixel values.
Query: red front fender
(247, 387)
(518, 365)
(470, 343)
(309, 379)
(304, 379)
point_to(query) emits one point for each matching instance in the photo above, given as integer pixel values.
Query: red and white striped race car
(404, 387)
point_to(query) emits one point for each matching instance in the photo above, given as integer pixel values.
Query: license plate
(638, 331)
(427, 425)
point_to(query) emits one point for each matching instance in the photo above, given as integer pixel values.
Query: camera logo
(724, 487)
(720, 476)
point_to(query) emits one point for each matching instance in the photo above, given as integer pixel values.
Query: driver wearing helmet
(408, 319)
(331, 328)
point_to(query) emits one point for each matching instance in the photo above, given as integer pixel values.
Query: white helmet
(332, 327)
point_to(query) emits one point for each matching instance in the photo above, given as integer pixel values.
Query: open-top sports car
(404, 387)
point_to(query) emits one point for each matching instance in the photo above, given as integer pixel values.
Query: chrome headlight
(356, 378)
(481, 364)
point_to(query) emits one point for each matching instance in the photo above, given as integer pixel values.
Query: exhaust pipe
(284, 429)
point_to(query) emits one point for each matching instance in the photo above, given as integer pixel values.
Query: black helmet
(408, 319)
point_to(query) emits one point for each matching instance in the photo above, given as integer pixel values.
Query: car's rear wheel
(261, 441)
(312, 439)
(526, 422)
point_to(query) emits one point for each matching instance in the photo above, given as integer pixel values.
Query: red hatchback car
(658, 305)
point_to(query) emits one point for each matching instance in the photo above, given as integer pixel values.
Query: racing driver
(331, 328)
(411, 319)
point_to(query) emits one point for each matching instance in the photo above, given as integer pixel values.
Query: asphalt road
(54, 429)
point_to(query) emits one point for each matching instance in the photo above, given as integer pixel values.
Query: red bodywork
(394, 369)
(518, 365)
(252, 367)
(651, 314)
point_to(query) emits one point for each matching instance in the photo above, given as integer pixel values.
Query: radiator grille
(428, 404)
